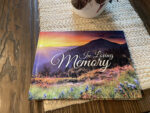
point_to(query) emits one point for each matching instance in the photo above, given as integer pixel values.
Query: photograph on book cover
(83, 65)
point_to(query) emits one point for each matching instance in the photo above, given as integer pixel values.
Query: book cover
(83, 65)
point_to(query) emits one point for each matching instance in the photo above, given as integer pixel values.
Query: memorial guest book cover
(83, 65)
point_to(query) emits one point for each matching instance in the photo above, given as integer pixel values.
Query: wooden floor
(143, 9)
(18, 38)
(137, 106)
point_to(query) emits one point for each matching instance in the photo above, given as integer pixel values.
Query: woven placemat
(57, 15)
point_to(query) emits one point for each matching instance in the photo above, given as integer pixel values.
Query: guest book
(83, 65)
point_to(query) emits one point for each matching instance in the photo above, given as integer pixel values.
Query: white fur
(90, 10)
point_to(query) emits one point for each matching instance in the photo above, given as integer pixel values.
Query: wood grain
(110, 106)
(143, 9)
(18, 39)
(17, 48)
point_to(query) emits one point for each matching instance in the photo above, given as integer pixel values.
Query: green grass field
(127, 86)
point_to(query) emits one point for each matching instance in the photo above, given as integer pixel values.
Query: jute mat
(57, 15)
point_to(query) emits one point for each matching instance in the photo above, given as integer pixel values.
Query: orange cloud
(116, 40)
(62, 39)
(54, 39)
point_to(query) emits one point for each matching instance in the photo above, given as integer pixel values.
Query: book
(83, 65)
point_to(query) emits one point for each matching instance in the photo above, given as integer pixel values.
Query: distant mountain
(99, 44)
(44, 54)
(120, 52)
(95, 45)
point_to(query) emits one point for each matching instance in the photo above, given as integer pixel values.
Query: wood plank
(144, 104)
(15, 56)
(35, 106)
(143, 9)
(110, 106)
(18, 39)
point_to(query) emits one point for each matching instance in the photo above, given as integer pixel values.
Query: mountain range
(94, 45)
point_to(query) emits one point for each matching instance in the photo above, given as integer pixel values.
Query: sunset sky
(61, 39)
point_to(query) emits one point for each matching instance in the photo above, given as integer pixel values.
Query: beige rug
(57, 15)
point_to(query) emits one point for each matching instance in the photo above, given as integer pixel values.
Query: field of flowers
(93, 85)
